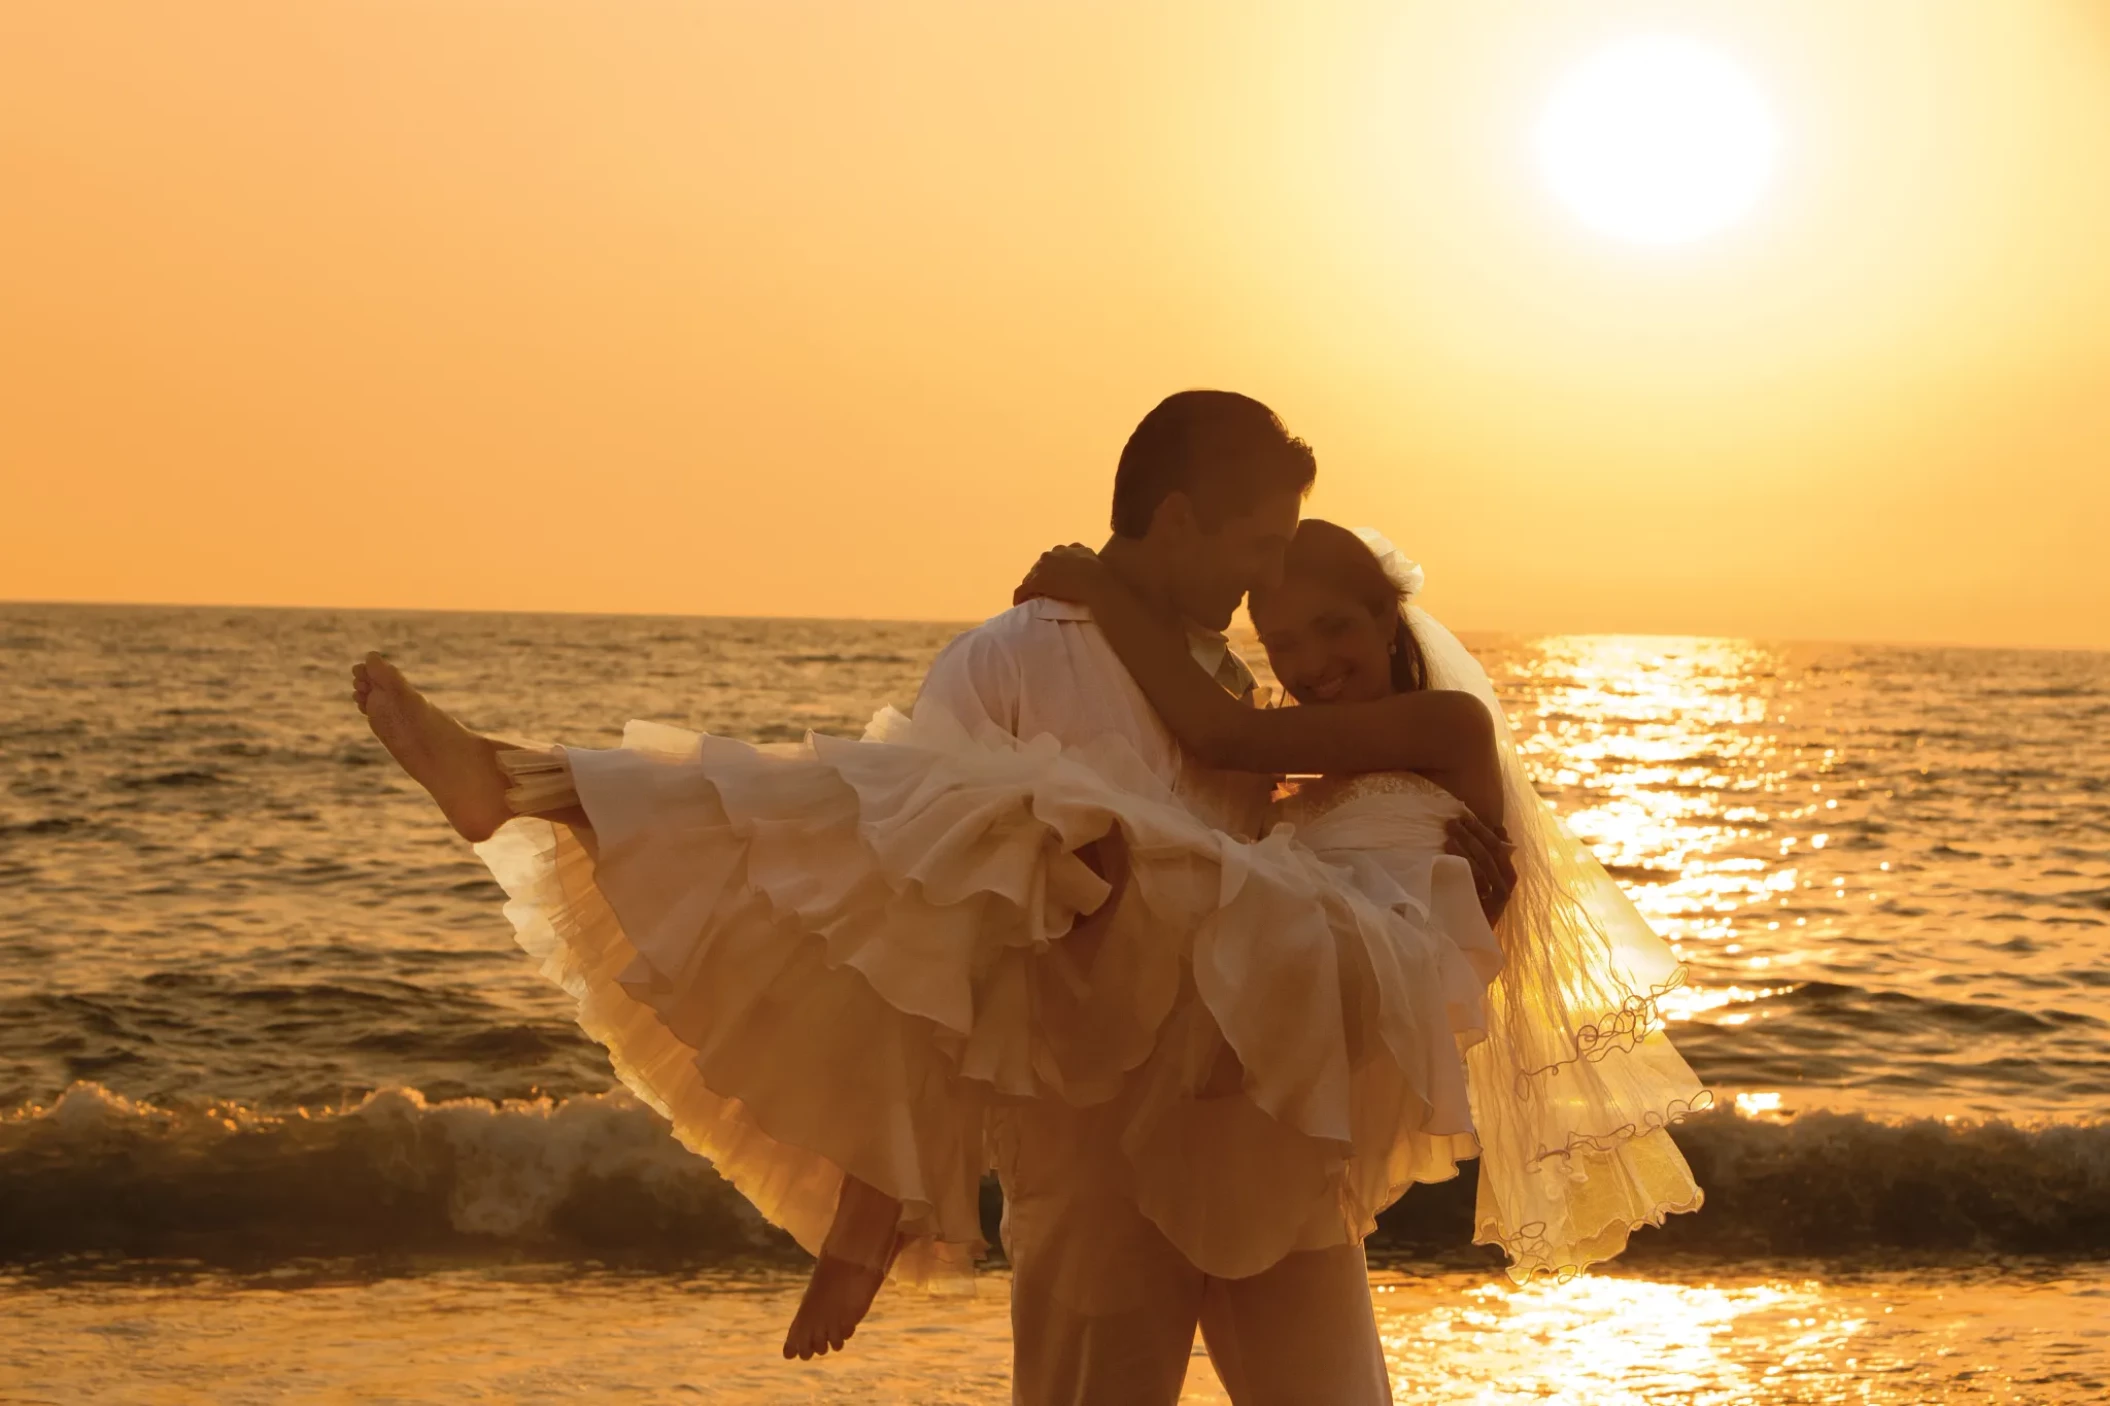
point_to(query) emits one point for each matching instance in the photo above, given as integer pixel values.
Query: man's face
(1245, 552)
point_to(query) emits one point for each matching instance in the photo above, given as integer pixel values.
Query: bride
(837, 967)
(1574, 1082)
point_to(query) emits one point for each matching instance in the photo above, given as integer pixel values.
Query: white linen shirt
(1045, 667)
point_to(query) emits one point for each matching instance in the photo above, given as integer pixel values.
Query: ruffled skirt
(849, 958)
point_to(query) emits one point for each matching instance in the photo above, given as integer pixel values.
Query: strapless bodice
(1369, 810)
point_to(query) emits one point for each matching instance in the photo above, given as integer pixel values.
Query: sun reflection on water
(1662, 756)
(1595, 1340)
(1751, 1340)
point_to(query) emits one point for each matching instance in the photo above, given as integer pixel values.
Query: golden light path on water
(1661, 754)
(1606, 1339)
(1640, 746)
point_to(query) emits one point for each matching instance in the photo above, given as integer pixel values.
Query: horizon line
(967, 624)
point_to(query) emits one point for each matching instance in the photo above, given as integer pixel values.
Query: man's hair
(1225, 451)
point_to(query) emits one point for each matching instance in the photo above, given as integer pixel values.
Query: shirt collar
(1210, 648)
(1044, 608)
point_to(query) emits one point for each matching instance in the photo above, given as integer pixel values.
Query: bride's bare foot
(860, 1248)
(838, 1296)
(454, 764)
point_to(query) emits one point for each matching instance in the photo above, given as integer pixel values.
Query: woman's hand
(1487, 848)
(1072, 573)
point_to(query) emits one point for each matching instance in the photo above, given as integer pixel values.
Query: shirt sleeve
(975, 679)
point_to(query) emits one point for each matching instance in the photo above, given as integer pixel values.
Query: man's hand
(1487, 849)
(1072, 573)
(1108, 858)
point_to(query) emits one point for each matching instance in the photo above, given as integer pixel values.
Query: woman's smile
(1329, 686)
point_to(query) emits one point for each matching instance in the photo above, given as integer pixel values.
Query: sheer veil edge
(1576, 1085)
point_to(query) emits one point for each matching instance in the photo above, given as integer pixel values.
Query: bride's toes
(837, 1298)
(804, 1340)
(812, 1343)
(457, 767)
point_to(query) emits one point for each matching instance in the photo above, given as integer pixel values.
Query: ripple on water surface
(1888, 868)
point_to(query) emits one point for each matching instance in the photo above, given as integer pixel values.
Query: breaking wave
(591, 1177)
(1842, 1185)
(599, 1177)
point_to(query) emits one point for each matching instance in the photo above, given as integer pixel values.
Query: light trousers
(1104, 1309)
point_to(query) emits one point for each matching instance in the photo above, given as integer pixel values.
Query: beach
(1785, 1334)
(292, 1119)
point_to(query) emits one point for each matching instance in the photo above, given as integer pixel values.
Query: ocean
(292, 1119)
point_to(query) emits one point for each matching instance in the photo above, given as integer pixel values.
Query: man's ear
(1174, 523)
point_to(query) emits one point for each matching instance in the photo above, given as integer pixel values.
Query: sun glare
(1658, 140)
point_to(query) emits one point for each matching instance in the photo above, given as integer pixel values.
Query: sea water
(286, 1100)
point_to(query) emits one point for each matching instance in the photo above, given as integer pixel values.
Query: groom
(1104, 1309)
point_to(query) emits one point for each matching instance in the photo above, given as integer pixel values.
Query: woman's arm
(1430, 731)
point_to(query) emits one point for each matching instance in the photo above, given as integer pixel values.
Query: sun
(1658, 140)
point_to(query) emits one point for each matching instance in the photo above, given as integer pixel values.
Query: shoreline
(1767, 1336)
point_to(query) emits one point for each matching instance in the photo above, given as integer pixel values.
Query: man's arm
(975, 680)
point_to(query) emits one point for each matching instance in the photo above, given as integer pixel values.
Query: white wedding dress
(840, 957)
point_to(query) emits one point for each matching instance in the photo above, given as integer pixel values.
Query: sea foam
(600, 1178)
(595, 1176)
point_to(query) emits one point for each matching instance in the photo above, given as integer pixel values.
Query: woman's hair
(1332, 556)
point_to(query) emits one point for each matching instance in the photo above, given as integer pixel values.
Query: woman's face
(1324, 644)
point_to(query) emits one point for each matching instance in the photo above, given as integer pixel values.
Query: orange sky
(781, 308)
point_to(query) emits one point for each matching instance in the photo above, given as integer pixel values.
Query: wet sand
(2031, 1334)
